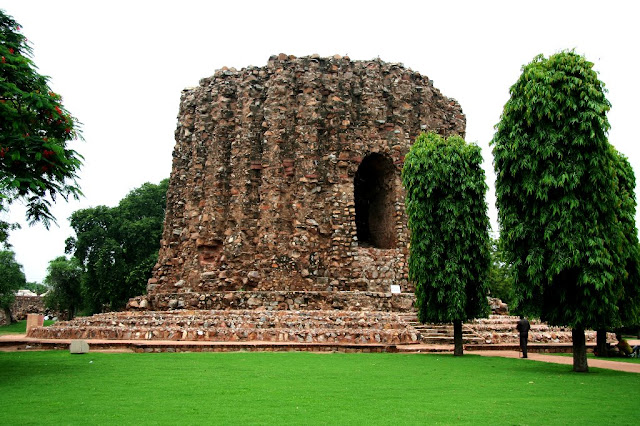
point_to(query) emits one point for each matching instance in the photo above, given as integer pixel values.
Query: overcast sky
(121, 65)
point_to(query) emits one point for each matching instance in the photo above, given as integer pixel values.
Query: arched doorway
(373, 189)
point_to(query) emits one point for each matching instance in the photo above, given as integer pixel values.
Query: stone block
(79, 347)
(34, 320)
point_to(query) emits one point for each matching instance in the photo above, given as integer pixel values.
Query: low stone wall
(238, 325)
(24, 305)
(277, 300)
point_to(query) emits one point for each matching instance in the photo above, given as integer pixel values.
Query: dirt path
(567, 360)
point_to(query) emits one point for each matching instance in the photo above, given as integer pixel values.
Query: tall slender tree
(449, 255)
(558, 197)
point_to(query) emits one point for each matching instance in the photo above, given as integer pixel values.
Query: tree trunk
(9, 316)
(579, 350)
(601, 343)
(457, 338)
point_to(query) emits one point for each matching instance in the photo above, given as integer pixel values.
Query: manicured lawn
(19, 327)
(306, 388)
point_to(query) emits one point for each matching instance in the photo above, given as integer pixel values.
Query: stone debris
(498, 307)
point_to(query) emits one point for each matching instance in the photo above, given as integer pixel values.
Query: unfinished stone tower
(286, 192)
(285, 217)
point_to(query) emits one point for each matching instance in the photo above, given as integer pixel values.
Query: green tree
(36, 163)
(11, 279)
(64, 276)
(449, 252)
(36, 287)
(118, 246)
(558, 197)
(629, 299)
(500, 275)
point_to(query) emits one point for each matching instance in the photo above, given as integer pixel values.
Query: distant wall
(24, 305)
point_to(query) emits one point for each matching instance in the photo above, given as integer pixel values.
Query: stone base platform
(323, 327)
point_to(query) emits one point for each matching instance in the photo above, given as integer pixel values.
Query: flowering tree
(36, 164)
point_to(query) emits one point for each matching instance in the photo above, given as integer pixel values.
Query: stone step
(448, 340)
(276, 300)
(232, 319)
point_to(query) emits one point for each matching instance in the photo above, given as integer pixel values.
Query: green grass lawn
(305, 388)
(19, 327)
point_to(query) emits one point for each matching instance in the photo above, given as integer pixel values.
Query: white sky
(121, 65)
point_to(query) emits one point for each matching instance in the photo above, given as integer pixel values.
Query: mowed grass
(19, 327)
(54, 387)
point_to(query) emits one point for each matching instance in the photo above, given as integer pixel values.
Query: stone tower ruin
(285, 225)
(285, 192)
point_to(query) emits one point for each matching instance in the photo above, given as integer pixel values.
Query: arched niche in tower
(374, 196)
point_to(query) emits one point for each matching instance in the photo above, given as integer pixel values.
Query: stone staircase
(440, 334)
(501, 329)
(494, 330)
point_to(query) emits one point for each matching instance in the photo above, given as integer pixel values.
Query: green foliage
(500, 275)
(118, 246)
(11, 278)
(629, 306)
(36, 287)
(449, 253)
(559, 196)
(36, 164)
(64, 276)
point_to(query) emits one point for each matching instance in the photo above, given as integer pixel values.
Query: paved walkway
(567, 360)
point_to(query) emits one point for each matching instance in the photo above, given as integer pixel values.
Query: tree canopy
(558, 196)
(117, 247)
(36, 162)
(449, 253)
